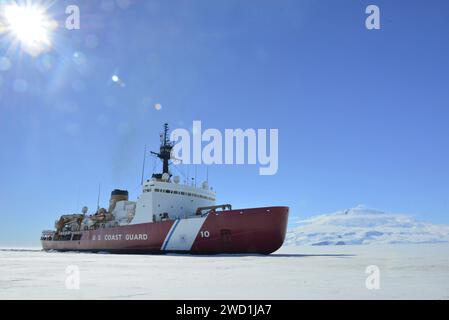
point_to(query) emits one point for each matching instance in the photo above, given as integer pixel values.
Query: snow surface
(418, 271)
(361, 225)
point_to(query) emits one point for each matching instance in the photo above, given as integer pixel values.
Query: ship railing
(203, 211)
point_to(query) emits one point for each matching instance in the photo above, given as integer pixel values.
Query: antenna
(195, 175)
(77, 198)
(98, 199)
(207, 173)
(143, 165)
(165, 150)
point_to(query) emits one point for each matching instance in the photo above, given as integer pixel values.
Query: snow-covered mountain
(361, 225)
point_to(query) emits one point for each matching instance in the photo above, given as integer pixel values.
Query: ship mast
(164, 152)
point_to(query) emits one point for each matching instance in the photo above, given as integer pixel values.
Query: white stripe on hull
(182, 234)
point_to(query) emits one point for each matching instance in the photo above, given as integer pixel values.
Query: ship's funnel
(117, 195)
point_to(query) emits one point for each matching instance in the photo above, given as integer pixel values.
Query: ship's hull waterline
(254, 231)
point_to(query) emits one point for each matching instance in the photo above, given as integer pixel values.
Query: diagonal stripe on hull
(183, 234)
(169, 234)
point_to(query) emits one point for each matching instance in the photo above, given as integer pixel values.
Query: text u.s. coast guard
(118, 237)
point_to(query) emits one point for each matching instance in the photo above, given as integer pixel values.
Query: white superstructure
(169, 200)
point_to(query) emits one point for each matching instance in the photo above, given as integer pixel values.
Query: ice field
(416, 271)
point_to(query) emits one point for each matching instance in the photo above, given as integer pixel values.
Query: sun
(28, 25)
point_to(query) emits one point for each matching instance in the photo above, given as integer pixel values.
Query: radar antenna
(164, 152)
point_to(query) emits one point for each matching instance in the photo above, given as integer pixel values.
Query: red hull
(258, 230)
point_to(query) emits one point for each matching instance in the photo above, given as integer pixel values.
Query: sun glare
(28, 25)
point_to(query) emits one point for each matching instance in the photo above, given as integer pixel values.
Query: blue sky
(362, 115)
